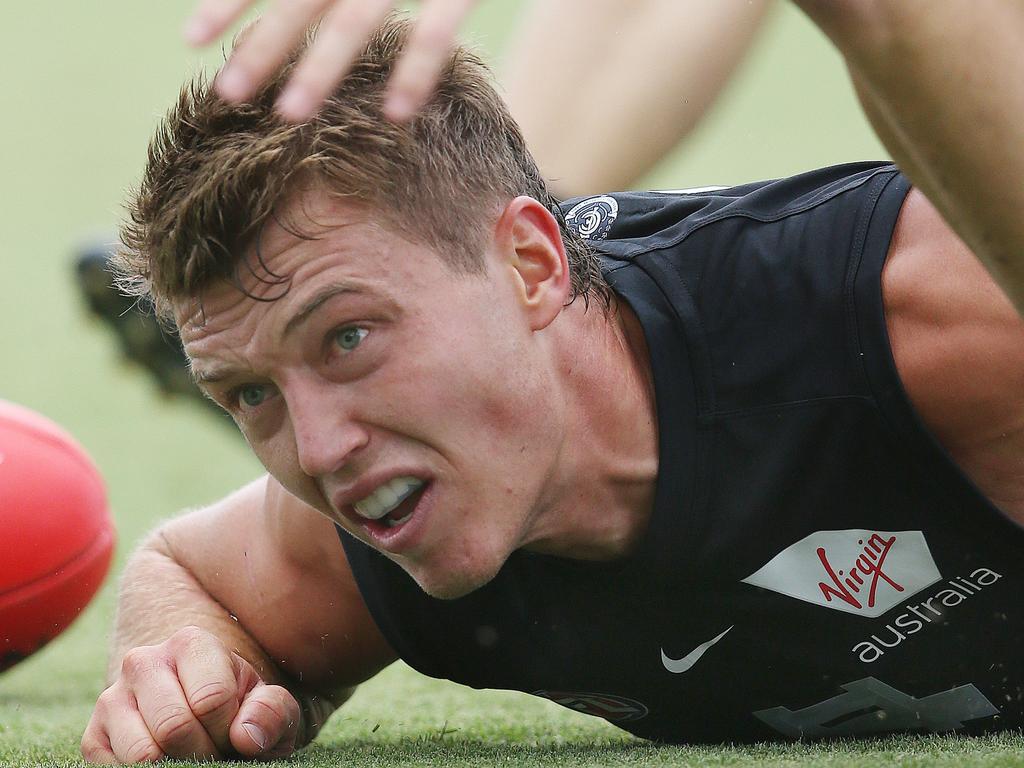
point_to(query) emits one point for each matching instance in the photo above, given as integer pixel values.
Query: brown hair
(216, 173)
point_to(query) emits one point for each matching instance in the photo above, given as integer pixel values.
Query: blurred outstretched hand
(345, 27)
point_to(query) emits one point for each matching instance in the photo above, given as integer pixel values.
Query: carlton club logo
(856, 571)
(593, 218)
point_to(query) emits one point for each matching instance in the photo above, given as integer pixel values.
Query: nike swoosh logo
(678, 666)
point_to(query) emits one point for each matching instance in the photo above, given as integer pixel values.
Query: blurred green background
(84, 86)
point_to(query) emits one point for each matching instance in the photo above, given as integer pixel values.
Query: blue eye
(350, 337)
(252, 395)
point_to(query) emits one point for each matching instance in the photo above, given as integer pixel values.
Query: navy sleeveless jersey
(815, 564)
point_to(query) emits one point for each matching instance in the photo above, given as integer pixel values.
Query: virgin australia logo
(856, 571)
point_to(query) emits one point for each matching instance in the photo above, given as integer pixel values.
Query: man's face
(412, 405)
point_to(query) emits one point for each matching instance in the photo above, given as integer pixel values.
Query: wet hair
(217, 173)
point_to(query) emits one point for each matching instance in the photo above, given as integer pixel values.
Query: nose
(326, 436)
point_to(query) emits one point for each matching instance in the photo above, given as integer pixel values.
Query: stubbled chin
(451, 584)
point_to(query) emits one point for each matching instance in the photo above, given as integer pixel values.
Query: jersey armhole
(871, 345)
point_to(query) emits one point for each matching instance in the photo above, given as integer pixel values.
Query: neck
(601, 493)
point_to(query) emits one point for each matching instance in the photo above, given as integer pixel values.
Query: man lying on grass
(722, 466)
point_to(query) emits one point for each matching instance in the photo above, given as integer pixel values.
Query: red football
(56, 536)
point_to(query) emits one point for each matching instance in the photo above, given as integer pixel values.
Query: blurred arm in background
(941, 82)
(602, 89)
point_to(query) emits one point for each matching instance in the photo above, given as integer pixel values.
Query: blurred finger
(267, 723)
(265, 46)
(428, 49)
(211, 18)
(340, 38)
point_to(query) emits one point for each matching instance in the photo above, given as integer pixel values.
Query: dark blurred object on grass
(141, 337)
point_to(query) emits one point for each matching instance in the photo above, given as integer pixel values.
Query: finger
(265, 46)
(267, 723)
(430, 44)
(211, 18)
(95, 746)
(209, 677)
(164, 710)
(341, 37)
(129, 738)
(131, 741)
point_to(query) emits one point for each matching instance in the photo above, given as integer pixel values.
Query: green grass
(403, 719)
(83, 85)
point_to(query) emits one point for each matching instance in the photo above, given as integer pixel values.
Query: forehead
(316, 237)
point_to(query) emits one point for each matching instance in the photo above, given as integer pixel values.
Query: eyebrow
(316, 301)
(211, 376)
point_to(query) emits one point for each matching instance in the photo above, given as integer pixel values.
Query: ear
(530, 246)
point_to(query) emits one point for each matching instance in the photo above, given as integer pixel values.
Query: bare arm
(941, 81)
(251, 605)
(158, 596)
(959, 349)
(288, 585)
(603, 89)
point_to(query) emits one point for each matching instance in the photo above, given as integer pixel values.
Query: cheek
(469, 373)
(277, 453)
(478, 398)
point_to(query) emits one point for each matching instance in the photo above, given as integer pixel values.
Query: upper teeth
(387, 497)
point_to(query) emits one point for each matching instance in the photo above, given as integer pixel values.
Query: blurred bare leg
(604, 88)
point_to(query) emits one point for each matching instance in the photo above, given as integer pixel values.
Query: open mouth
(393, 503)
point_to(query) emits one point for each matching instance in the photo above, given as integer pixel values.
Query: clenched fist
(189, 697)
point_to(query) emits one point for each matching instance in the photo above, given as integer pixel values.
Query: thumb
(267, 723)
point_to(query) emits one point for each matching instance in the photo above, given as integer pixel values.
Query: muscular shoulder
(278, 567)
(959, 349)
